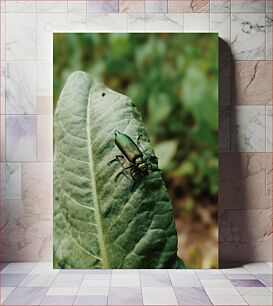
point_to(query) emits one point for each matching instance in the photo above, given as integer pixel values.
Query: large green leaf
(100, 223)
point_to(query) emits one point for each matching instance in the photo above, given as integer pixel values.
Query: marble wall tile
(153, 6)
(268, 24)
(249, 6)
(248, 129)
(12, 187)
(21, 6)
(268, 128)
(77, 22)
(3, 6)
(220, 23)
(248, 36)
(220, 6)
(20, 36)
(188, 6)
(47, 24)
(44, 105)
(171, 22)
(2, 87)
(59, 6)
(20, 138)
(245, 235)
(269, 6)
(3, 138)
(131, 6)
(224, 128)
(196, 22)
(100, 22)
(44, 138)
(252, 82)
(44, 78)
(243, 181)
(136, 22)
(3, 36)
(20, 87)
(224, 82)
(103, 6)
(77, 6)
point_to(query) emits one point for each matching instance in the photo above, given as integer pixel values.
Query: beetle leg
(122, 172)
(115, 159)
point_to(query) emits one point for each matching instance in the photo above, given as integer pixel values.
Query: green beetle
(139, 166)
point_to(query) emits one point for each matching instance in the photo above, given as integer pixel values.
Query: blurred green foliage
(173, 81)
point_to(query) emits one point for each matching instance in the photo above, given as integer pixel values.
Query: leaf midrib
(105, 263)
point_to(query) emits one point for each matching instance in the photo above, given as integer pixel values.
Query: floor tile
(96, 283)
(5, 292)
(192, 296)
(235, 271)
(185, 280)
(16, 268)
(11, 280)
(266, 279)
(26, 296)
(227, 300)
(96, 291)
(58, 300)
(3, 265)
(258, 268)
(254, 291)
(240, 276)
(125, 296)
(99, 271)
(97, 276)
(258, 300)
(155, 280)
(216, 283)
(91, 300)
(125, 280)
(44, 267)
(74, 271)
(38, 280)
(159, 296)
(62, 291)
(125, 271)
(246, 283)
(221, 291)
(67, 280)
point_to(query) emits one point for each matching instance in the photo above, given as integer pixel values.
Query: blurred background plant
(173, 81)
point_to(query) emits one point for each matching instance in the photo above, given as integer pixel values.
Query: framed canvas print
(135, 150)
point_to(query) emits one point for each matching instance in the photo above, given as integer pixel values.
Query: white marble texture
(102, 6)
(2, 88)
(21, 6)
(268, 24)
(248, 129)
(77, 22)
(220, 23)
(20, 138)
(153, 6)
(249, 6)
(3, 37)
(44, 138)
(171, 22)
(78, 6)
(269, 6)
(248, 36)
(44, 78)
(59, 6)
(20, 90)
(106, 22)
(47, 23)
(136, 22)
(196, 22)
(220, 6)
(12, 181)
(268, 128)
(3, 138)
(20, 36)
(159, 296)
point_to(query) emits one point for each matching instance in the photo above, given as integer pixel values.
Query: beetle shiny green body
(127, 146)
(139, 166)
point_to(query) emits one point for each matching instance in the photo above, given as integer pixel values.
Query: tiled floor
(39, 284)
